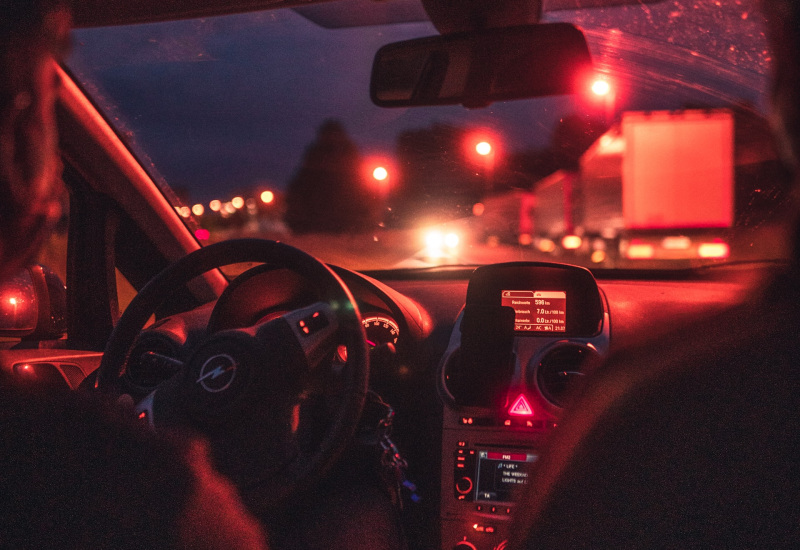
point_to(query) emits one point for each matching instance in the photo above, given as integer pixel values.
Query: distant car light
(598, 256)
(571, 242)
(715, 250)
(640, 251)
(198, 209)
(237, 202)
(215, 205)
(546, 245)
(434, 239)
(267, 197)
(483, 148)
(451, 240)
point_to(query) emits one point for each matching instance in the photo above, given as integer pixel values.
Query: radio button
(464, 485)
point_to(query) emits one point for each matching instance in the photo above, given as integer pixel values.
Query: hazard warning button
(521, 407)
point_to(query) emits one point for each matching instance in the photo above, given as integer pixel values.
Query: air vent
(561, 369)
(153, 360)
(474, 383)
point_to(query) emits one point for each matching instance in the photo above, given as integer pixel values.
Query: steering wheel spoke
(315, 329)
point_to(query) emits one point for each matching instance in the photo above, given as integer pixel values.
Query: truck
(658, 185)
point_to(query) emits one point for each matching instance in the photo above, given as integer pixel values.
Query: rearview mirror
(477, 68)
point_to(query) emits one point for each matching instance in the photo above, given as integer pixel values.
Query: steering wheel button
(312, 323)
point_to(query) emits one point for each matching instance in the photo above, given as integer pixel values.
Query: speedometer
(380, 330)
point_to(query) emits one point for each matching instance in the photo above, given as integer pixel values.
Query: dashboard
(477, 363)
(526, 336)
(468, 451)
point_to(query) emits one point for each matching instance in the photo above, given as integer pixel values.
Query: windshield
(260, 124)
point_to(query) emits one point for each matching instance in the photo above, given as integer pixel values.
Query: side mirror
(33, 305)
(477, 68)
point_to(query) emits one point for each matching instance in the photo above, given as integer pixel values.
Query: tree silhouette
(438, 181)
(327, 193)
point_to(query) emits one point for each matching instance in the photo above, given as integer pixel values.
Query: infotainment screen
(500, 473)
(537, 310)
(540, 300)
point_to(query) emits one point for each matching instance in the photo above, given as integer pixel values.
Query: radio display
(500, 473)
(537, 310)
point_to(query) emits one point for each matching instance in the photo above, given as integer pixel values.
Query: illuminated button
(521, 407)
(479, 508)
(461, 458)
(493, 509)
(313, 323)
(489, 529)
(462, 443)
(467, 420)
(507, 422)
(508, 510)
(464, 485)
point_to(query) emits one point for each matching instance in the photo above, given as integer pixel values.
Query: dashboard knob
(464, 545)
(464, 485)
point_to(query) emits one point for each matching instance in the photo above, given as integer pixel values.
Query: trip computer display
(537, 310)
(534, 300)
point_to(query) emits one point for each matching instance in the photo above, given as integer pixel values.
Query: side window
(53, 254)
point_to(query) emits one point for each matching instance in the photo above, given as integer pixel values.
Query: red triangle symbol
(521, 407)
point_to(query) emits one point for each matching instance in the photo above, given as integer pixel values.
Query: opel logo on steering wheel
(217, 373)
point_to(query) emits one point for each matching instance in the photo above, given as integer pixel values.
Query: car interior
(503, 367)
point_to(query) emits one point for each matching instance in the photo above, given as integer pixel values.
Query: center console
(527, 334)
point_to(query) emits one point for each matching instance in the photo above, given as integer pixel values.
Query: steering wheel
(249, 390)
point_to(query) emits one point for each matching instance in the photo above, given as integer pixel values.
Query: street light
(605, 92)
(380, 173)
(483, 148)
(601, 87)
